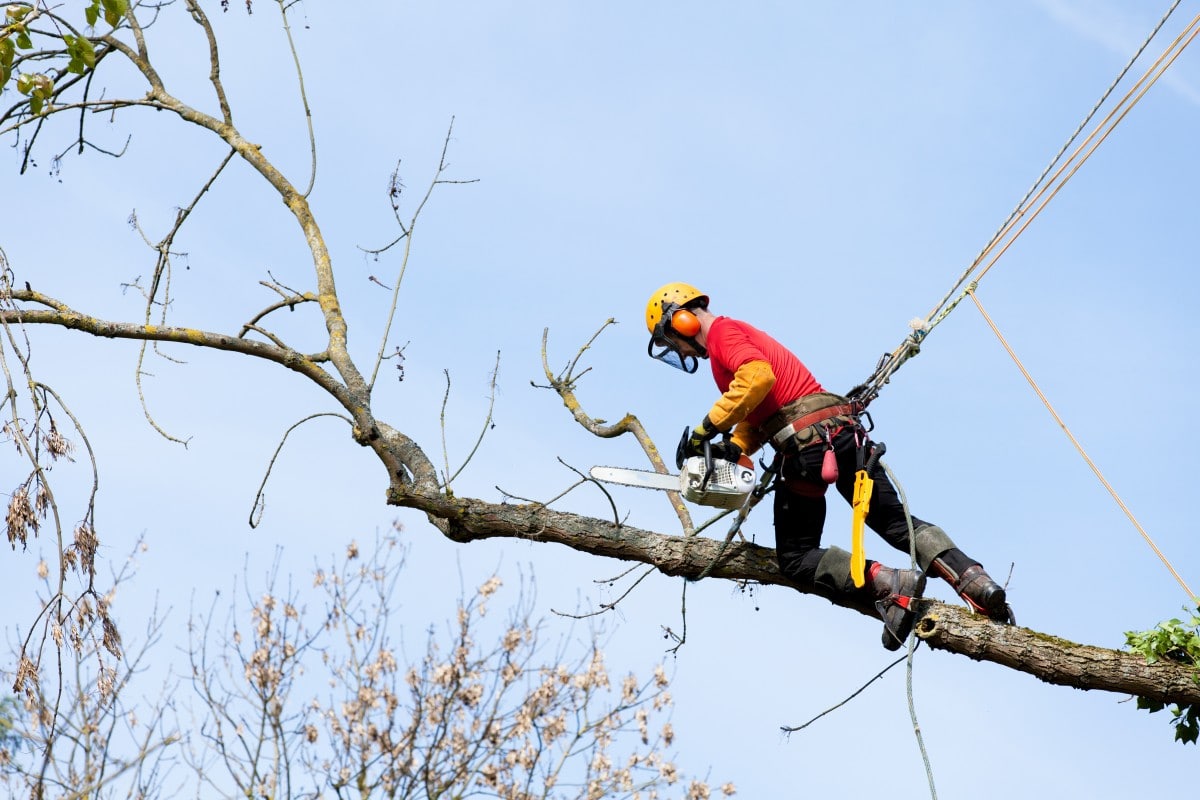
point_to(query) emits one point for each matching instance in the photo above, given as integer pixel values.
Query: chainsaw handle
(709, 469)
(873, 460)
(681, 448)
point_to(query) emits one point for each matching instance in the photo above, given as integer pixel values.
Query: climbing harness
(790, 426)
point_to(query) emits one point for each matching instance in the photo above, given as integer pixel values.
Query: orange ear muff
(685, 323)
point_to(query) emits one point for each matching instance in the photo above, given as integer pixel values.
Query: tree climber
(768, 395)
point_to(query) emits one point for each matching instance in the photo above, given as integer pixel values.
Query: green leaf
(1178, 642)
(87, 51)
(1146, 704)
(35, 104)
(7, 52)
(113, 11)
(92, 14)
(75, 64)
(23, 40)
(1187, 730)
(24, 83)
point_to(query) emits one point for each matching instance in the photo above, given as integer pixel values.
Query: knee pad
(930, 542)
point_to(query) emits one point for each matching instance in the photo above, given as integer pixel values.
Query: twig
(312, 137)
(256, 511)
(880, 674)
(394, 190)
(162, 270)
(487, 422)
(680, 639)
(606, 607)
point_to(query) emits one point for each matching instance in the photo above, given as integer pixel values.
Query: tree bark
(946, 627)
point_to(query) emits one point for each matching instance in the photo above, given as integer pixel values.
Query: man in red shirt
(768, 395)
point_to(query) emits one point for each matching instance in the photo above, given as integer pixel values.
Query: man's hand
(726, 450)
(700, 434)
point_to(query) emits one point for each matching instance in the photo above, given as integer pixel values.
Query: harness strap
(781, 437)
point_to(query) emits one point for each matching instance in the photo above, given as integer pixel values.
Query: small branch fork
(564, 384)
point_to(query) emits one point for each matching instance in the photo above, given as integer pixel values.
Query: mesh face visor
(664, 341)
(666, 351)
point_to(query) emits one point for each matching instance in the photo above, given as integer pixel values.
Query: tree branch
(944, 627)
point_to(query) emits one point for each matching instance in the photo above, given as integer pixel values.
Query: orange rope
(1074, 441)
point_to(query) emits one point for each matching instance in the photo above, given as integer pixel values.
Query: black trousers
(800, 506)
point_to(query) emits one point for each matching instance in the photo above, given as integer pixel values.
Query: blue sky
(822, 170)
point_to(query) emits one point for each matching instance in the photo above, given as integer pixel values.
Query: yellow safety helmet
(679, 294)
(668, 318)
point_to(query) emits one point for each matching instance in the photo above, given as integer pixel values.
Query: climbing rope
(912, 635)
(1057, 156)
(869, 389)
(1012, 354)
(1008, 233)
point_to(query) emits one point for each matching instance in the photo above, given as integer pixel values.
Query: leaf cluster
(1179, 641)
(16, 34)
(113, 10)
(13, 35)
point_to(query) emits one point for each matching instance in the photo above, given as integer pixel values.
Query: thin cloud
(1116, 28)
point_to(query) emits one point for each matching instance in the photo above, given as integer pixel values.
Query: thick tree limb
(1054, 660)
(402, 458)
(944, 627)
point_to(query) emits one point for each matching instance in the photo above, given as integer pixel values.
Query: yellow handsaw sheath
(861, 503)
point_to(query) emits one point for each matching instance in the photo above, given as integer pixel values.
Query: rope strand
(1018, 209)
(870, 388)
(912, 636)
(1012, 354)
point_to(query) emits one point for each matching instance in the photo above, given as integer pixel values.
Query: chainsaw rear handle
(681, 448)
(681, 456)
(709, 469)
(873, 460)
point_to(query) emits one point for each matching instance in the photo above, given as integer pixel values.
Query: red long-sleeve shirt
(734, 345)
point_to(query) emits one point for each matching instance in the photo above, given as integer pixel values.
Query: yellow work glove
(700, 434)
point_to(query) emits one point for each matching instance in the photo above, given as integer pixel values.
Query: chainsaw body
(717, 483)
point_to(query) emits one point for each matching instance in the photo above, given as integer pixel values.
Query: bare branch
(564, 385)
(394, 189)
(312, 137)
(259, 498)
(487, 421)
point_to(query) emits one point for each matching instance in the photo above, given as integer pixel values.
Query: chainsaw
(702, 479)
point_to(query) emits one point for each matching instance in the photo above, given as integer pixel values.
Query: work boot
(977, 588)
(896, 591)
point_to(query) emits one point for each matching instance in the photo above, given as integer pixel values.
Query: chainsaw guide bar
(640, 478)
(708, 482)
